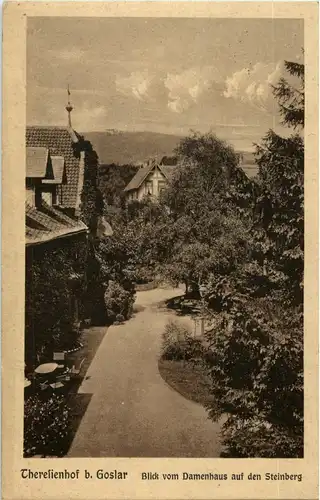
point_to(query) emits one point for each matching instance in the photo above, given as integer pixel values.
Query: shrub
(178, 344)
(46, 426)
(118, 301)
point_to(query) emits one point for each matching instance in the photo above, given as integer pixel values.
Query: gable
(167, 170)
(139, 177)
(38, 163)
(60, 142)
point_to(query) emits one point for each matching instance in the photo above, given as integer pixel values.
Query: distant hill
(124, 148)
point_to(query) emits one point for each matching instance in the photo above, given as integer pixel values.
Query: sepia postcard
(160, 250)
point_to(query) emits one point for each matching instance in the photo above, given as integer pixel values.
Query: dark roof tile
(49, 223)
(59, 141)
(139, 177)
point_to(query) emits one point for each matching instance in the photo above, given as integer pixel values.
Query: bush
(118, 301)
(47, 426)
(178, 344)
(255, 362)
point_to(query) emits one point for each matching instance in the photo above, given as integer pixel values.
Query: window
(161, 186)
(47, 197)
(149, 187)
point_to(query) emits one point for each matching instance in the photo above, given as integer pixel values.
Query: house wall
(30, 195)
(153, 183)
(33, 191)
(36, 193)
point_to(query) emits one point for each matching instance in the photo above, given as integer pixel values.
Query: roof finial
(69, 108)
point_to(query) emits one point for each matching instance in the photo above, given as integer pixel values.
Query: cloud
(187, 87)
(253, 85)
(137, 84)
(89, 116)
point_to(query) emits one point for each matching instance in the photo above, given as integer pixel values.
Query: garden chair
(44, 385)
(65, 377)
(76, 370)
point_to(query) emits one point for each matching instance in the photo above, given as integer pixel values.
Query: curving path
(133, 412)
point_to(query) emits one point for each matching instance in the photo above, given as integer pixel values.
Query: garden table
(46, 368)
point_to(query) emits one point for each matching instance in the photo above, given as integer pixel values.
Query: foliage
(46, 426)
(279, 230)
(255, 361)
(106, 264)
(91, 198)
(54, 274)
(291, 98)
(94, 295)
(209, 201)
(112, 181)
(254, 354)
(178, 343)
(118, 301)
(111, 261)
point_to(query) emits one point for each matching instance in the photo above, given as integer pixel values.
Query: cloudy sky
(163, 75)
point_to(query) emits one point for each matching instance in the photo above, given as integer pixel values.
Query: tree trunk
(195, 292)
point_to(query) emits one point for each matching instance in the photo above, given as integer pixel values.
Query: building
(56, 239)
(151, 179)
(65, 150)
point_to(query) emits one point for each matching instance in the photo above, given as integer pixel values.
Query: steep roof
(49, 223)
(38, 163)
(60, 142)
(59, 173)
(139, 177)
(167, 170)
(142, 173)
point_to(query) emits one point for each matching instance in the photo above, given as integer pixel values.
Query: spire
(69, 108)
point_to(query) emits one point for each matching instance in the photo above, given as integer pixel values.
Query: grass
(187, 379)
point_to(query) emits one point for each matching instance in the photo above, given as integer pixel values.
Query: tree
(280, 221)
(254, 354)
(205, 223)
(291, 98)
(112, 181)
(91, 198)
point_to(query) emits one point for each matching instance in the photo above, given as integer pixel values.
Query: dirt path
(133, 412)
